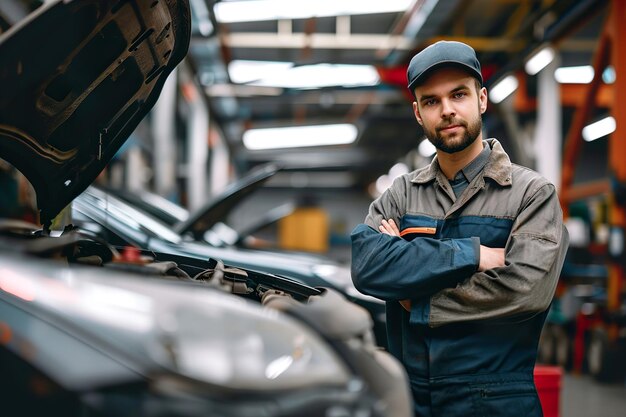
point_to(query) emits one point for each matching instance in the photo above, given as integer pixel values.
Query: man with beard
(466, 252)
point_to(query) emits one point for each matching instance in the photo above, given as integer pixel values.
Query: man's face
(449, 106)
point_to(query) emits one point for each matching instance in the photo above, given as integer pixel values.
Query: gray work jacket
(464, 323)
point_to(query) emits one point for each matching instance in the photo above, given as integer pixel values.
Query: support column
(198, 150)
(548, 134)
(163, 131)
(220, 163)
(135, 169)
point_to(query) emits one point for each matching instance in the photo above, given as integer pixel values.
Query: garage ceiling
(503, 32)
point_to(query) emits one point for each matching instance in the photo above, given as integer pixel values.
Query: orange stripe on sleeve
(425, 230)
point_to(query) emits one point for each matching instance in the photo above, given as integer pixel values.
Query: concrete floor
(581, 396)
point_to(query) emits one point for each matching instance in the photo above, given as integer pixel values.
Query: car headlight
(340, 277)
(237, 345)
(199, 333)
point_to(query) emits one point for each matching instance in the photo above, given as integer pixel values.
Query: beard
(455, 143)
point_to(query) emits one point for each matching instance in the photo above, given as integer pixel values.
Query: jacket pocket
(506, 399)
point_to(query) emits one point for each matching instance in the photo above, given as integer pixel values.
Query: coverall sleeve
(524, 287)
(390, 268)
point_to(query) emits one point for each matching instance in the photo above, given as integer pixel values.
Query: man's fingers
(384, 228)
(389, 227)
(394, 227)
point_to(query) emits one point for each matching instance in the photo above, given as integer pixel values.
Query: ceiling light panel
(503, 88)
(258, 10)
(299, 136)
(539, 60)
(574, 75)
(599, 129)
(286, 75)
(246, 71)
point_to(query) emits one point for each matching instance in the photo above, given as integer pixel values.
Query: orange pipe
(573, 141)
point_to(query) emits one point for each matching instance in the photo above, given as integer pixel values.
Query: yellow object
(305, 229)
(62, 219)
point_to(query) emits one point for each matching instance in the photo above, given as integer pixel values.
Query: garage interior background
(550, 68)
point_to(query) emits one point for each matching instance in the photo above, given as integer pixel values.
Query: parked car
(98, 207)
(88, 330)
(162, 338)
(122, 224)
(210, 222)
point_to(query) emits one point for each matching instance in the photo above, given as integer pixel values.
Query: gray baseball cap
(442, 54)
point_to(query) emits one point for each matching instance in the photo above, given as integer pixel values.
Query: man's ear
(482, 97)
(416, 112)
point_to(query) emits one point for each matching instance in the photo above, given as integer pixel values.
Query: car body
(129, 339)
(123, 224)
(88, 330)
(157, 219)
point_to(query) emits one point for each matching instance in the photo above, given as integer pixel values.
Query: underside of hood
(76, 78)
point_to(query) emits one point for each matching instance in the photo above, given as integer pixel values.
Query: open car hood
(217, 209)
(77, 76)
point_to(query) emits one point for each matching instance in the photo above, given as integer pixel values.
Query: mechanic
(466, 252)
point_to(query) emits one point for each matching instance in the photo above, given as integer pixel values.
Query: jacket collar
(498, 167)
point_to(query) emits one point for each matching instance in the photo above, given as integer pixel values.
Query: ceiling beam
(314, 41)
(484, 44)
(357, 41)
(572, 95)
(516, 19)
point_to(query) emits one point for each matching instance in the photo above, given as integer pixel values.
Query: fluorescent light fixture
(286, 75)
(539, 60)
(323, 75)
(608, 75)
(574, 75)
(426, 149)
(299, 136)
(503, 88)
(599, 129)
(245, 71)
(258, 10)
(238, 90)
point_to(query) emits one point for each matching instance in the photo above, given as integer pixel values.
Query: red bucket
(548, 383)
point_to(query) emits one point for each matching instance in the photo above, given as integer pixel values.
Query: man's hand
(490, 258)
(389, 227)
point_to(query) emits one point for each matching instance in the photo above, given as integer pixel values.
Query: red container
(548, 383)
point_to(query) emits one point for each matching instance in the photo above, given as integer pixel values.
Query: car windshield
(132, 217)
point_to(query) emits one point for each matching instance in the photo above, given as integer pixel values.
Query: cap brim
(428, 72)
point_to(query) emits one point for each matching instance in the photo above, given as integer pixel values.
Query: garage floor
(581, 396)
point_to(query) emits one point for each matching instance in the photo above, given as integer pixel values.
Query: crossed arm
(489, 257)
(454, 280)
